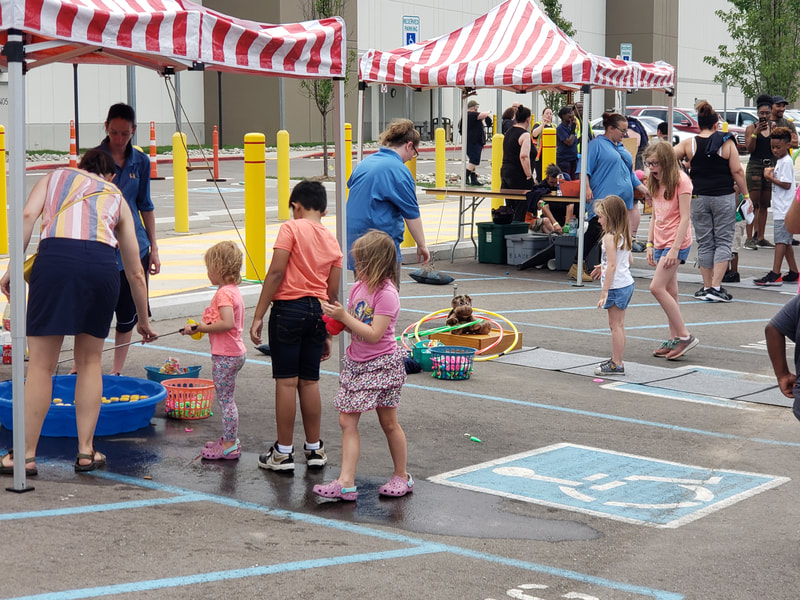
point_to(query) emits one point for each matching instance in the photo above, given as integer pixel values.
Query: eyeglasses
(651, 163)
(622, 131)
(414, 149)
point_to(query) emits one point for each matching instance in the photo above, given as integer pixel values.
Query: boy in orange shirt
(305, 269)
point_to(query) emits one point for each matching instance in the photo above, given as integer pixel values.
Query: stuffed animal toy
(333, 326)
(462, 313)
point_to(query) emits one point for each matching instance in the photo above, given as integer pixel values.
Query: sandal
(334, 489)
(397, 486)
(9, 469)
(215, 451)
(95, 464)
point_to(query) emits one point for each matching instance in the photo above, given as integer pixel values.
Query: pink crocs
(334, 489)
(215, 451)
(397, 486)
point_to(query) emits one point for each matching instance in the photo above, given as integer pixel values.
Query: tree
(552, 8)
(320, 91)
(765, 57)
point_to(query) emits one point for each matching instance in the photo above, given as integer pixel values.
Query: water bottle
(573, 226)
(558, 189)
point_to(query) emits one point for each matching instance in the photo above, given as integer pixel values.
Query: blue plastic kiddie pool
(129, 404)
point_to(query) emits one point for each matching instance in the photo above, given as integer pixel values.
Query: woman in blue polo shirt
(133, 178)
(383, 194)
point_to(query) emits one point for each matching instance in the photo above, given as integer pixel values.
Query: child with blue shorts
(304, 272)
(615, 277)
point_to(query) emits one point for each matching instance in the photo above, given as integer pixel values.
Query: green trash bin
(492, 240)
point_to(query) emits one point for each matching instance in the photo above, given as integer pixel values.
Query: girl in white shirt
(615, 277)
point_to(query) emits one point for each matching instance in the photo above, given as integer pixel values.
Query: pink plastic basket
(189, 398)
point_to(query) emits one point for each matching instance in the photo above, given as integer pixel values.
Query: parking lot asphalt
(667, 484)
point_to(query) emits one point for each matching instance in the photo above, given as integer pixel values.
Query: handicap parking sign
(615, 485)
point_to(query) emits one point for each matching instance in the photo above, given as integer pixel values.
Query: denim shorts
(682, 254)
(296, 338)
(620, 297)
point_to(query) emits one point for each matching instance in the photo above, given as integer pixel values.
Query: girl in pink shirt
(373, 371)
(669, 241)
(223, 321)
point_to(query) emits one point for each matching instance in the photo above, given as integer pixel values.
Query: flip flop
(9, 470)
(95, 464)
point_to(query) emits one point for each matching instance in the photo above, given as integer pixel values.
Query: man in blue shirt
(567, 142)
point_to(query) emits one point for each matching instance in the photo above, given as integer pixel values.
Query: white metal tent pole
(341, 205)
(587, 106)
(464, 137)
(670, 101)
(361, 86)
(16, 135)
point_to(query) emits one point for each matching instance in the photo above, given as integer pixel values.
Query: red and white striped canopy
(172, 33)
(516, 47)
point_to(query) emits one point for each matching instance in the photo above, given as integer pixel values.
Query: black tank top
(511, 169)
(763, 149)
(711, 175)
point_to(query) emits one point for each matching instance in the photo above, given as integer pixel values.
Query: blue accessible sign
(615, 485)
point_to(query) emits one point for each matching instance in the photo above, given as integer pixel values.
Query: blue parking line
(419, 547)
(174, 582)
(95, 508)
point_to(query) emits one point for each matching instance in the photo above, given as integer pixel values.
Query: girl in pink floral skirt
(373, 372)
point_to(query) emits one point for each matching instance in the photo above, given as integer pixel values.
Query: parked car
(684, 119)
(650, 125)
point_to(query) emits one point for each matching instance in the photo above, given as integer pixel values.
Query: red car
(685, 119)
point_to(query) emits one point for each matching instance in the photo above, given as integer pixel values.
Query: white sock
(285, 449)
(314, 446)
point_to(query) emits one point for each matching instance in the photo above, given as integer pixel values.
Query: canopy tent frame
(257, 50)
(454, 60)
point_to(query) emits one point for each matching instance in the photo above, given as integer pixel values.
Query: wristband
(649, 245)
(754, 136)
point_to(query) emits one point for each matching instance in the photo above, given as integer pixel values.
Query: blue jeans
(296, 338)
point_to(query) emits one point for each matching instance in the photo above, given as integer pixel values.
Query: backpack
(636, 125)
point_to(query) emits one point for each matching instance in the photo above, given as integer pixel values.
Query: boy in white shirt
(783, 190)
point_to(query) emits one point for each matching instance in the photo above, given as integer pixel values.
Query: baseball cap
(779, 100)
(472, 103)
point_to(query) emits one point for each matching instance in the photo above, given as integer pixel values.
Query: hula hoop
(477, 312)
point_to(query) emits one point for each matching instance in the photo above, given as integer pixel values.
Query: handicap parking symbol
(615, 485)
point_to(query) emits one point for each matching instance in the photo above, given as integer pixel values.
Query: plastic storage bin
(566, 246)
(154, 373)
(422, 353)
(492, 240)
(520, 247)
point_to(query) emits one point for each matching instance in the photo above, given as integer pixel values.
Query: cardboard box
(480, 342)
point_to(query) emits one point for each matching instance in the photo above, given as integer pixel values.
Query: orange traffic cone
(153, 153)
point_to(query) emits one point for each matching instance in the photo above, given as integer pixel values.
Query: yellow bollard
(180, 182)
(724, 127)
(497, 162)
(284, 214)
(348, 155)
(548, 141)
(3, 194)
(408, 241)
(255, 210)
(441, 161)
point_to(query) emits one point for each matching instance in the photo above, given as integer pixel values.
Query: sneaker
(276, 461)
(637, 247)
(573, 274)
(610, 368)
(316, 459)
(795, 242)
(770, 278)
(765, 243)
(665, 348)
(791, 277)
(731, 277)
(682, 347)
(720, 295)
(751, 244)
(701, 293)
